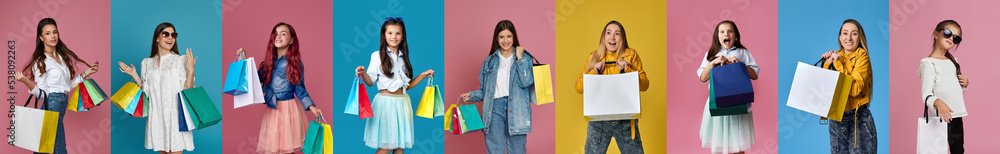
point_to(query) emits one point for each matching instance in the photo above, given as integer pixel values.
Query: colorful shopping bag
(351, 107)
(715, 110)
(541, 91)
(733, 85)
(34, 129)
(135, 103)
(74, 103)
(364, 105)
(97, 94)
(313, 143)
(428, 103)
(470, 118)
(184, 115)
(327, 139)
(235, 83)
(124, 95)
(819, 91)
(202, 110)
(448, 116)
(255, 93)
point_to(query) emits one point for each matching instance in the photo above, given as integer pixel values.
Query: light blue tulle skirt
(392, 124)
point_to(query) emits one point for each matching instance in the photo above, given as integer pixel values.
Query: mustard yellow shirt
(857, 65)
(628, 55)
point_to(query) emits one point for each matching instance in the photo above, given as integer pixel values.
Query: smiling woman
(853, 60)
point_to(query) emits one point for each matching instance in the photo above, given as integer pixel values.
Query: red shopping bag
(364, 106)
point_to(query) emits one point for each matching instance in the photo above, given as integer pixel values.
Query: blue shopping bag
(352, 99)
(732, 85)
(236, 82)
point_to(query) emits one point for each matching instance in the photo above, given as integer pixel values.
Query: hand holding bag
(235, 83)
(428, 101)
(932, 136)
(819, 91)
(611, 97)
(255, 93)
(733, 85)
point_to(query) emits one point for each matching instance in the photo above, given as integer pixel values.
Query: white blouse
(162, 82)
(397, 81)
(740, 53)
(938, 79)
(503, 76)
(56, 78)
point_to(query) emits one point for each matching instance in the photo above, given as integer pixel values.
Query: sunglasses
(174, 35)
(948, 34)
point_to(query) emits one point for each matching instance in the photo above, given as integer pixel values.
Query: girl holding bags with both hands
(390, 130)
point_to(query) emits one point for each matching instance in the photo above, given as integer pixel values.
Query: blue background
(807, 29)
(356, 29)
(199, 28)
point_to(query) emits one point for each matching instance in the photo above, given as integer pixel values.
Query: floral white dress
(161, 84)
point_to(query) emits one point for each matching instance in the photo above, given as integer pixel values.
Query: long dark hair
(402, 49)
(156, 34)
(294, 69)
(863, 42)
(939, 28)
(503, 25)
(38, 57)
(598, 55)
(714, 49)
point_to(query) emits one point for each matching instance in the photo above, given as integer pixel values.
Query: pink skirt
(283, 130)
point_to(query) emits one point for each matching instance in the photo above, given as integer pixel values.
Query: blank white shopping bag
(932, 135)
(255, 94)
(813, 89)
(611, 97)
(34, 129)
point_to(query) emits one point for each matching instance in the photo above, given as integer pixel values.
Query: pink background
(85, 28)
(912, 24)
(248, 25)
(689, 35)
(468, 34)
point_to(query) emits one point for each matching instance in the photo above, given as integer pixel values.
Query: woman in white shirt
(942, 83)
(52, 64)
(391, 128)
(165, 73)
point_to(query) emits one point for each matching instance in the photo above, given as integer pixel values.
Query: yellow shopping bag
(123, 97)
(840, 97)
(447, 118)
(543, 84)
(426, 107)
(327, 139)
(74, 99)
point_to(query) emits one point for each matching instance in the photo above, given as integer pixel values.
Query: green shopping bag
(203, 111)
(313, 143)
(469, 117)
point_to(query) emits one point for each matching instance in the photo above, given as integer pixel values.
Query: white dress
(731, 133)
(161, 84)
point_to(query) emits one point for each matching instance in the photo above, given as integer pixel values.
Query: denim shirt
(519, 105)
(281, 89)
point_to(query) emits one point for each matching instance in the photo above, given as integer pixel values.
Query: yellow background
(579, 24)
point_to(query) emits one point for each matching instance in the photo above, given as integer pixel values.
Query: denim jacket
(281, 89)
(519, 105)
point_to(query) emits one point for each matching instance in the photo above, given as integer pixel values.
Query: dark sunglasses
(174, 35)
(948, 34)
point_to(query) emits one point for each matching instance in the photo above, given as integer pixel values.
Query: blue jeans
(57, 102)
(498, 139)
(599, 134)
(855, 133)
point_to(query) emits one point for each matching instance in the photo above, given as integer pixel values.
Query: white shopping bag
(34, 129)
(813, 89)
(186, 112)
(611, 97)
(932, 135)
(255, 94)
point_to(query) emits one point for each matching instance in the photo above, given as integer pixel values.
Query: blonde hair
(599, 54)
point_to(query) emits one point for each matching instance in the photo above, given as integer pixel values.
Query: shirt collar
(390, 52)
(497, 52)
